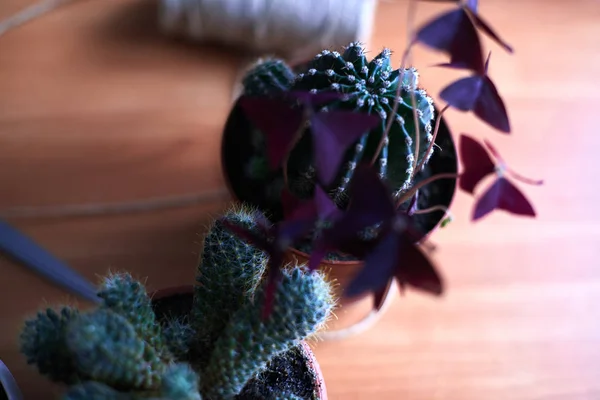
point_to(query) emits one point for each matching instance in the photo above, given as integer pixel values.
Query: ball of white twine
(294, 29)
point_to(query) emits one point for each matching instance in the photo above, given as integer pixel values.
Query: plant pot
(353, 315)
(303, 373)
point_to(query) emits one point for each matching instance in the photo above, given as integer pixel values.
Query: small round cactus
(370, 87)
(267, 77)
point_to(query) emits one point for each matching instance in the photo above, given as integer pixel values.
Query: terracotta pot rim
(313, 364)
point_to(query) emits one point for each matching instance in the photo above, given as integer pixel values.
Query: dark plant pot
(302, 371)
(235, 155)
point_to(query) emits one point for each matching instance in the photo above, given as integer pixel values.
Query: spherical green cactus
(267, 77)
(43, 343)
(370, 87)
(126, 296)
(302, 303)
(107, 348)
(228, 273)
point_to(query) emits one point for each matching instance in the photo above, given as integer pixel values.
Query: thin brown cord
(94, 209)
(30, 13)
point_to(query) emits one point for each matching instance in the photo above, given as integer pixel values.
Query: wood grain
(96, 107)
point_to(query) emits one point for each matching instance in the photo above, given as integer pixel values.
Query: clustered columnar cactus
(369, 87)
(229, 272)
(261, 340)
(123, 350)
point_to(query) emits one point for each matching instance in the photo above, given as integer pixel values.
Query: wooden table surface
(96, 107)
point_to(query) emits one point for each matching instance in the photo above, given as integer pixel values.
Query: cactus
(180, 382)
(302, 303)
(107, 348)
(369, 87)
(123, 350)
(43, 342)
(229, 271)
(180, 337)
(267, 77)
(124, 295)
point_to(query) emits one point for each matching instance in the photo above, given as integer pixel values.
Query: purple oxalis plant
(373, 227)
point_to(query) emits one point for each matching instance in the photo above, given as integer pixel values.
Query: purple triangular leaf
(278, 120)
(378, 268)
(318, 253)
(333, 132)
(248, 235)
(289, 202)
(490, 108)
(415, 269)
(315, 99)
(454, 34)
(485, 27)
(473, 5)
(478, 94)
(463, 94)
(273, 278)
(326, 208)
(503, 195)
(476, 162)
(370, 203)
(370, 196)
(289, 231)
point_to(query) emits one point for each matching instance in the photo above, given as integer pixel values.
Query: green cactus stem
(229, 271)
(126, 296)
(43, 342)
(179, 337)
(302, 303)
(180, 382)
(107, 348)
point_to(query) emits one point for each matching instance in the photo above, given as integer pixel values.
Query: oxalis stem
(438, 120)
(412, 8)
(411, 192)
